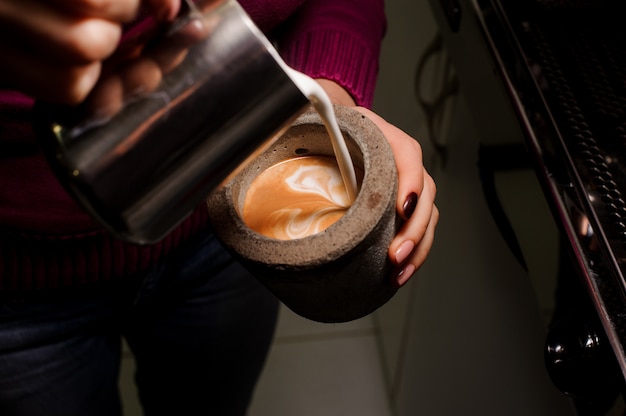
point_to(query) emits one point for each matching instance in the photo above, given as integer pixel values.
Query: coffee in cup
(296, 198)
(341, 272)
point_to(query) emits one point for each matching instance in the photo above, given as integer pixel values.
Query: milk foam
(319, 180)
(296, 198)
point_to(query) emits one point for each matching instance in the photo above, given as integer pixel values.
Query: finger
(413, 231)
(170, 53)
(420, 254)
(423, 248)
(106, 99)
(83, 41)
(44, 79)
(113, 90)
(57, 35)
(142, 77)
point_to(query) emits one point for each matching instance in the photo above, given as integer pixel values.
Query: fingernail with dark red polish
(409, 205)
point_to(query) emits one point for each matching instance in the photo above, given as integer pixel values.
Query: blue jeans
(199, 326)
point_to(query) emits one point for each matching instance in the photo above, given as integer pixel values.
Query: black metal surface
(564, 64)
(583, 63)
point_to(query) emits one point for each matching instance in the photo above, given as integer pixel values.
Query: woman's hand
(415, 203)
(416, 192)
(53, 49)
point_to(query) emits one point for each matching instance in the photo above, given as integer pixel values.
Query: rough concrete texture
(342, 273)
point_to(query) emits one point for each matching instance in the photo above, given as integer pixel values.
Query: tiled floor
(313, 369)
(127, 385)
(322, 369)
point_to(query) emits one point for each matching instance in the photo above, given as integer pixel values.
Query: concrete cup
(342, 273)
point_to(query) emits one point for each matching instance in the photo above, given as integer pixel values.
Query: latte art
(296, 198)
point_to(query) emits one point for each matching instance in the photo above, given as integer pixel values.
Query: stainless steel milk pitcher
(141, 160)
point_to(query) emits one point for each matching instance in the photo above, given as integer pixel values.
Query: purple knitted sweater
(48, 241)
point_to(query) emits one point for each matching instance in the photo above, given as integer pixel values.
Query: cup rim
(373, 197)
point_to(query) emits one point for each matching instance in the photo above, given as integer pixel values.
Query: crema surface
(296, 198)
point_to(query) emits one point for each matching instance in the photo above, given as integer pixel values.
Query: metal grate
(582, 61)
(576, 54)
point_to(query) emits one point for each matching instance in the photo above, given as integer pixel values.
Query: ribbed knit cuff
(336, 56)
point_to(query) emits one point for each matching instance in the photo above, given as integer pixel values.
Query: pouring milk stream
(324, 107)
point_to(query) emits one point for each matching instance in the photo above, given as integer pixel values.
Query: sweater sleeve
(339, 40)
